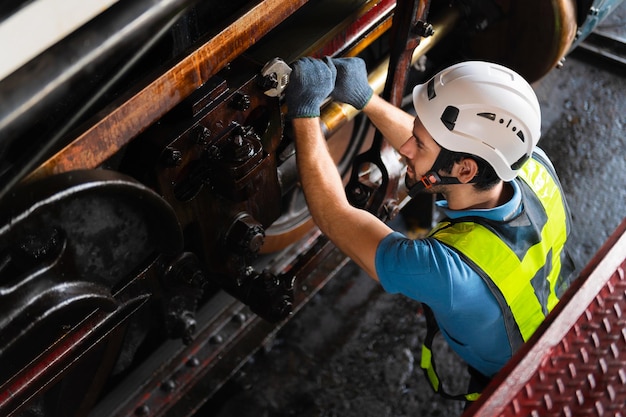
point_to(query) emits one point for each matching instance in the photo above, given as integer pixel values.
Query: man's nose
(408, 148)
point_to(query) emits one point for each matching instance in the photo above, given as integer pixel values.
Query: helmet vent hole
(431, 89)
(449, 116)
(490, 116)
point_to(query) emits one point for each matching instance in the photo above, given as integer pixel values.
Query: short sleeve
(418, 268)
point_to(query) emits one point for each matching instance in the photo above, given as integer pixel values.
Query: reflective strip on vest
(514, 277)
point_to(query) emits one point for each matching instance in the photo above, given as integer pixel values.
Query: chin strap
(431, 178)
(428, 181)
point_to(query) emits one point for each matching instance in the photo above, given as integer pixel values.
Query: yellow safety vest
(519, 260)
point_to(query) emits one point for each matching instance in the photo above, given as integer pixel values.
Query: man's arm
(355, 232)
(395, 124)
(352, 87)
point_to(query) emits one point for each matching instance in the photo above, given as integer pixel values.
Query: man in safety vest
(492, 270)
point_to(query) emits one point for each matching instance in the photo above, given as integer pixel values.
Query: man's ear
(465, 170)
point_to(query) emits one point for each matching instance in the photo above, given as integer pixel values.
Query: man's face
(420, 152)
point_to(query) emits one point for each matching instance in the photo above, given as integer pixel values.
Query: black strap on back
(428, 361)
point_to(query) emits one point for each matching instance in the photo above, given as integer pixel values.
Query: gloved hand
(351, 86)
(310, 82)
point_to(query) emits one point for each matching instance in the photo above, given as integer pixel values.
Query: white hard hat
(483, 109)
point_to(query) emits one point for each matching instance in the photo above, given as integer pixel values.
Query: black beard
(409, 182)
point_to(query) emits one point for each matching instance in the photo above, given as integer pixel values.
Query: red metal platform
(575, 364)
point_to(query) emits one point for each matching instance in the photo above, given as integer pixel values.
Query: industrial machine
(152, 231)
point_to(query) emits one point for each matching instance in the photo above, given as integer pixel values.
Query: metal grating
(575, 365)
(585, 374)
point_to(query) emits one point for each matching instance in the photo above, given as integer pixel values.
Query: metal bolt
(423, 29)
(201, 135)
(242, 148)
(359, 195)
(283, 307)
(239, 318)
(172, 157)
(246, 235)
(168, 386)
(193, 362)
(188, 326)
(142, 410)
(241, 101)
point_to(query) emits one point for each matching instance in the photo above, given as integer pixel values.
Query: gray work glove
(351, 86)
(310, 82)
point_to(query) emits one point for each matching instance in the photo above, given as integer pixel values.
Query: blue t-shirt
(467, 312)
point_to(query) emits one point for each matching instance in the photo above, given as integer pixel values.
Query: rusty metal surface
(136, 113)
(575, 364)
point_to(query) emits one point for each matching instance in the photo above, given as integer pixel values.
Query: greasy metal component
(61, 355)
(103, 215)
(230, 175)
(185, 268)
(35, 307)
(410, 15)
(245, 235)
(133, 115)
(183, 282)
(575, 364)
(376, 196)
(275, 77)
(238, 156)
(165, 378)
(67, 242)
(228, 333)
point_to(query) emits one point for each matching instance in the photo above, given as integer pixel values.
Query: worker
(490, 272)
